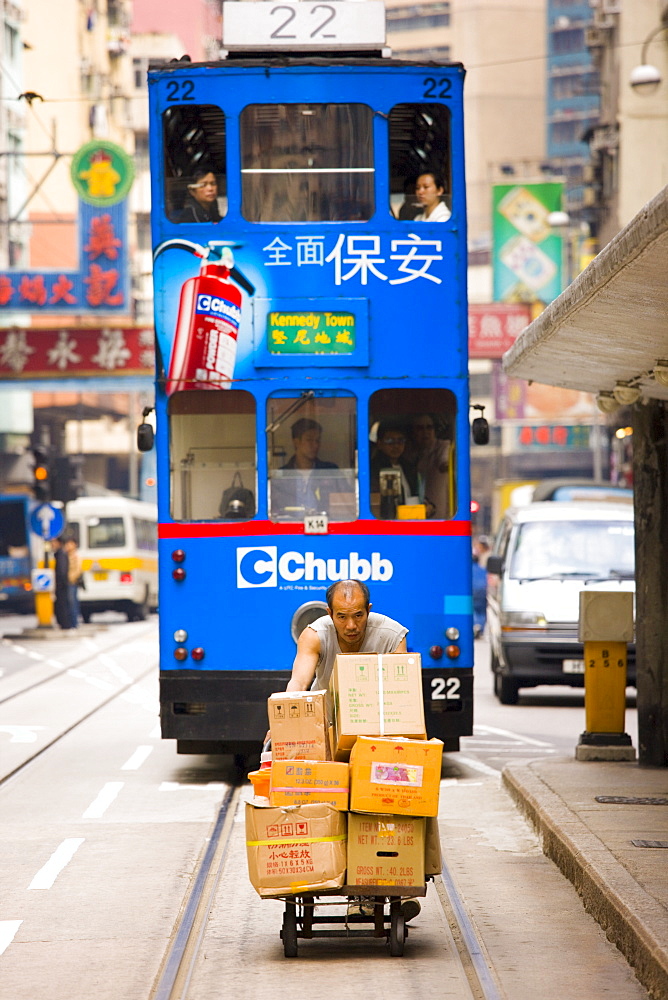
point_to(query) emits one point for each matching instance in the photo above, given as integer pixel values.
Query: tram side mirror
(480, 430)
(145, 437)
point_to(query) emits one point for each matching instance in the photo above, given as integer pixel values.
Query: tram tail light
(452, 652)
(436, 652)
(197, 653)
(179, 574)
(178, 555)
(126, 577)
(180, 653)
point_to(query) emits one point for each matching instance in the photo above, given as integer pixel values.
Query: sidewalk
(623, 886)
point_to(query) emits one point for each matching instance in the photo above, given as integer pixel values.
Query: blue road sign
(47, 521)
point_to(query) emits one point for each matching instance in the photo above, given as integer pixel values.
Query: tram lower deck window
(412, 470)
(212, 455)
(312, 457)
(307, 162)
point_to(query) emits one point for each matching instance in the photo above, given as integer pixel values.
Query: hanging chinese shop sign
(54, 354)
(494, 327)
(527, 251)
(102, 174)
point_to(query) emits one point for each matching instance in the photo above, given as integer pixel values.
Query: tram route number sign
(304, 26)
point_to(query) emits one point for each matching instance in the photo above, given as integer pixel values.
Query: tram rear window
(412, 444)
(420, 172)
(194, 152)
(307, 162)
(212, 455)
(312, 457)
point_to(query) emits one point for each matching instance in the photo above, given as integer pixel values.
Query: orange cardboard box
(376, 694)
(294, 782)
(298, 725)
(433, 862)
(386, 850)
(395, 776)
(295, 849)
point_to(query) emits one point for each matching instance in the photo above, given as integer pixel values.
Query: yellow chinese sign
(311, 332)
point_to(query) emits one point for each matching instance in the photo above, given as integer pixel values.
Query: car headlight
(523, 619)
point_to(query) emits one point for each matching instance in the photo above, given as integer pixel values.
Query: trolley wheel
(397, 930)
(289, 931)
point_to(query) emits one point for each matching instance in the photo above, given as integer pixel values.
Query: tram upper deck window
(194, 160)
(312, 457)
(411, 434)
(212, 455)
(307, 162)
(420, 157)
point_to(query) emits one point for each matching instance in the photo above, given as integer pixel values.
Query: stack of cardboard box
(372, 773)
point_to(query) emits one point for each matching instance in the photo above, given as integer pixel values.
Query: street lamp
(646, 78)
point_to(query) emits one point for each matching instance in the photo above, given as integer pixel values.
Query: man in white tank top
(349, 627)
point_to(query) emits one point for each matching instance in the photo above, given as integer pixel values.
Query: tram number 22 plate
(304, 24)
(446, 688)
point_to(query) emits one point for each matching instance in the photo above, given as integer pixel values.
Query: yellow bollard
(605, 686)
(44, 609)
(605, 628)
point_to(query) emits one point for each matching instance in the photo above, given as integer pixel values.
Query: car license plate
(100, 574)
(573, 666)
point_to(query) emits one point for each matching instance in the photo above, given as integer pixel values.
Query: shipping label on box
(294, 782)
(395, 776)
(295, 849)
(298, 725)
(376, 694)
(386, 850)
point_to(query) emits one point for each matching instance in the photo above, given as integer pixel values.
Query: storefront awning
(611, 324)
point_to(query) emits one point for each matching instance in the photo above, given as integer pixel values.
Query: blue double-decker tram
(312, 412)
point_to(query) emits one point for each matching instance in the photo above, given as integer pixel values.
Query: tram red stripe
(245, 529)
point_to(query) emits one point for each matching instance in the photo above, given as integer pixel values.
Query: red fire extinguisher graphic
(205, 339)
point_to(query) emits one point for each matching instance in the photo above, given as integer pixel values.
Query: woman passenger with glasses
(201, 204)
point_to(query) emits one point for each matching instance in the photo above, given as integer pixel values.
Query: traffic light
(67, 478)
(41, 475)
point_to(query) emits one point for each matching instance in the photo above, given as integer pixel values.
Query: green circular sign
(102, 173)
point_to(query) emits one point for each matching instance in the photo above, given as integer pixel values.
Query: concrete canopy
(611, 324)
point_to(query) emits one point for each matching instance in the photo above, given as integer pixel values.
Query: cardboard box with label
(433, 863)
(386, 850)
(298, 725)
(376, 694)
(294, 782)
(295, 849)
(395, 776)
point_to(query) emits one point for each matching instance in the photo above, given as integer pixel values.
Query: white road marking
(479, 766)
(175, 786)
(62, 856)
(94, 681)
(99, 806)
(137, 759)
(33, 655)
(55, 663)
(511, 736)
(111, 665)
(8, 929)
(22, 734)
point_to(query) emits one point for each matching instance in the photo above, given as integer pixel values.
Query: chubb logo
(263, 567)
(219, 308)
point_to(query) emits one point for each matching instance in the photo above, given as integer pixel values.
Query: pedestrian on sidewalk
(74, 576)
(62, 606)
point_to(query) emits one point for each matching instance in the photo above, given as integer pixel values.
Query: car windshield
(573, 549)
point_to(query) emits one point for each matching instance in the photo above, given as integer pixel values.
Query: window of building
(569, 40)
(194, 156)
(212, 455)
(312, 456)
(418, 16)
(438, 53)
(420, 148)
(307, 162)
(412, 443)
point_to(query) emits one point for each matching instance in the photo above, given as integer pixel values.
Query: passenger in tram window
(306, 487)
(201, 204)
(389, 455)
(432, 456)
(410, 207)
(429, 189)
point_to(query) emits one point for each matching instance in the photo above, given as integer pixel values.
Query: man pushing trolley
(349, 806)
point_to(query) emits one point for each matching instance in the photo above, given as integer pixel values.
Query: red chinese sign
(494, 327)
(27, 353)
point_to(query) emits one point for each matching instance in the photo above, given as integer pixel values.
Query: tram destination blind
(311, 332)
(304, 26)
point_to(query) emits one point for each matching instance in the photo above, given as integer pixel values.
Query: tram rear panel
(311, 394)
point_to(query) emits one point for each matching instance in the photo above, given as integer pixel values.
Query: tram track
(56, 673)
(185, 949)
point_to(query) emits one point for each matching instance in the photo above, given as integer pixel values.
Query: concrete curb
(633, 920)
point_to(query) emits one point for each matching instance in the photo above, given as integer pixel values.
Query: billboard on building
(527, 252)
